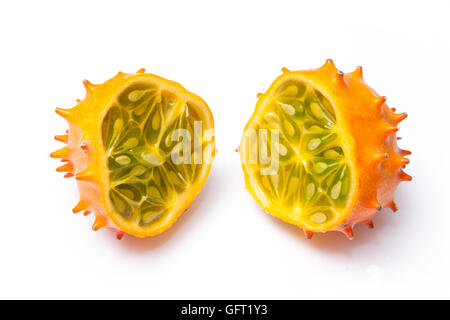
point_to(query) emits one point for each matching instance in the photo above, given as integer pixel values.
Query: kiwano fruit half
(320, 150)
(140, 148)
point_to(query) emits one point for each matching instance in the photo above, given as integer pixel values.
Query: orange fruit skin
(83, 154)
(370, 126)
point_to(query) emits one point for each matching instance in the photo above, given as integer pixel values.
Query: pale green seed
(336, 190)
(331, 154)
(153, 159)
(314, 143)
(131, 143)
(315, 128)
(282, 149)
(319, 217)
(137, 171)
(320, 167)
(289, 128)
(287, 108)
(135, 95)
(123, 160)
(310, 190)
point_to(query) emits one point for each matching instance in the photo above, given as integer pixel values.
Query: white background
(226, 246)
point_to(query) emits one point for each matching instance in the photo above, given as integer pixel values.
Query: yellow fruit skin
(369, 127)
(86, 158)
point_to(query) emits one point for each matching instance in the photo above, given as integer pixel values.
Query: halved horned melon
(141, 148)
(320, 150)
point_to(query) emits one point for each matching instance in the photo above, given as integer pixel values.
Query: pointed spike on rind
(380, 100)
(308, 234)
(86, 212)
(329, 65)
(369, 223)
(88, 85)
(141, 70)
(65, 113)
(61, 153)
(404, 176)
(380, 157)
(64, 138)
(258, 95)
(376, 205)
(341, 77)
(119, 234)
(68, 175)
(405, 152)
(397, 118)
(98, 223)
(392, 206)
(81, 205)
(68, 167)
(402, 162)
(85, 176)
(357, 73)
(349, 232)
(285, 70)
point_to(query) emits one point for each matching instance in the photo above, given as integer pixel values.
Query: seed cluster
(313, 174)
(137, 134)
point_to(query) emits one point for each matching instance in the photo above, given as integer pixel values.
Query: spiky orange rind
(122, 140)
(334, 160)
